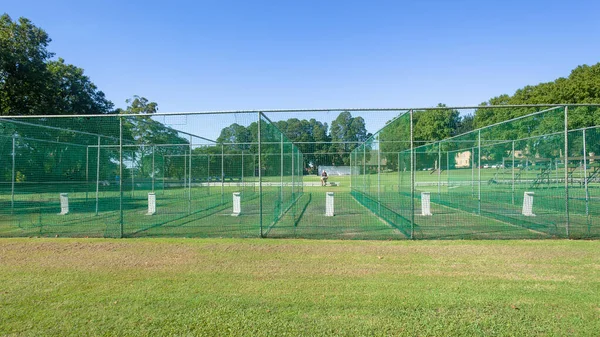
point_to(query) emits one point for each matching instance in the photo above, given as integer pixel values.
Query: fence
(127, 176)
(163, 175)
(528, 177)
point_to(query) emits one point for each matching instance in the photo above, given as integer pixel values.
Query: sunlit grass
(267, 287)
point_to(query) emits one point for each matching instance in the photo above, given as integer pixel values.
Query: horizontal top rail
(311, 110)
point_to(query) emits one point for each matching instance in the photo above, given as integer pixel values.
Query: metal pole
(513, 172)
(479, 172)
(185, 174)
(121, 177)
(243, 185)
(153, 169)
(439, 169)
(132, 175)
(472, 172)
(98, 176)
(190, 180)
(293, 174)
(364, 169)
(12, 184)
(260, 195)
(585, 181)
(222, 174)
(208, 173)
(378, 175)
(87, 169)
(447, 169)
(281, 175)
(567, 172)
(399, 174)
(412, 179)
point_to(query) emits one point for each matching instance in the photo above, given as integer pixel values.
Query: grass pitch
(219, 287)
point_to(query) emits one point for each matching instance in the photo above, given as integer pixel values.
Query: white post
(528, 204)
(64, 204)
(151, 204)
(329, 204)
(425, 203)
(237, 205)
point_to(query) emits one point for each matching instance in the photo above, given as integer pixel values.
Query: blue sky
(227, 55)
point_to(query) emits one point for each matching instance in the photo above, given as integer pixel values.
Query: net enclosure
(535, 174)
(128, 176)
(527, 177)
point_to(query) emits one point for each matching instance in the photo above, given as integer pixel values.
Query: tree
(24, 76)
(348, 132)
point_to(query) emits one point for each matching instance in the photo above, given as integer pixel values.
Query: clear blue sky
(225, 55)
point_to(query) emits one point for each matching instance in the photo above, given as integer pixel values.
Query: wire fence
(536, 175)
(528, 177)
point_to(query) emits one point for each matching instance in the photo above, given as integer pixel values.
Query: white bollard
(237, 204)
(425, 203)
(64, 204)
(329, 204)
(528, 204)
(151, 204)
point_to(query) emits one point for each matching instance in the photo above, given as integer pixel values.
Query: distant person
(324, 178)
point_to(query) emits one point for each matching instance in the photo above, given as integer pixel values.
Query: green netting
(108, 170)
(510, 180)
(506, 181)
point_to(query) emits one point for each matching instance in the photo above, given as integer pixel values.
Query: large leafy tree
(24, 76)
(346, 134)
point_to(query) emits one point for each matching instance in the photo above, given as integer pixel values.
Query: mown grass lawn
(219, 287)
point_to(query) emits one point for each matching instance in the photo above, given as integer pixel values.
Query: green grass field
(455, 208)
(262, 287)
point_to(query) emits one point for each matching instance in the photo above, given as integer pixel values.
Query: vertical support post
(243, 185)
(190, 179)
(439, 169)
(222, 174)
(567, 223)
(585, 182)
(412, 179)
(479, 172)
(98, 176)
(378, 175)
(281, 175)
(293, 174)
(185, 173)
(87, 170)
(153, 169)
(513, 172)
(472, 172)
(12, 181)
(364, 169)
(399, 174)
(208, 173)
(260, 195)
(121, 177)
(132, 174)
